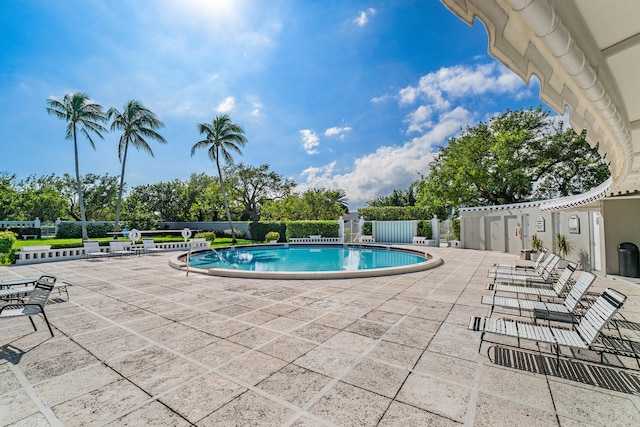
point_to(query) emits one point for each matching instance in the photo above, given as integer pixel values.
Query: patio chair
(117, 248)
(24, 281)
(541, 289)
(34, 305)
(518, 267)
(149, 246)
(92, 250)
(582, 337)
(547, 310)
(545, 271)
(19, 289)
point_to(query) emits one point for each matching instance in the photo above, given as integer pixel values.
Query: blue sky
(354, 95)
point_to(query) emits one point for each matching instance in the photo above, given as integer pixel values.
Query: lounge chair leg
(47, 321)
(33, 324)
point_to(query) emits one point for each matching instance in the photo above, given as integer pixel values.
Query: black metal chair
(34, 305)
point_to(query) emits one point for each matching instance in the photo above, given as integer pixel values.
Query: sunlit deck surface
(140, 343)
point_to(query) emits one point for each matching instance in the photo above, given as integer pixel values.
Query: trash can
(628, 262)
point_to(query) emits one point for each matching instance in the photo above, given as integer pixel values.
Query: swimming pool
(307, 261)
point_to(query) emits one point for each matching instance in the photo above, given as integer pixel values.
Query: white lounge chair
(509, 267)
(541, 290)
(543, 272)
(117, 248)
(582, 337)
(34, 305)
(92, 250)
(549, 310)
(149, 246)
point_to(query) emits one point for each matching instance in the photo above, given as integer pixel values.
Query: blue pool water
(304, 258)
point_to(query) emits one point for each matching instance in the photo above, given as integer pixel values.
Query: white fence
(37, 254)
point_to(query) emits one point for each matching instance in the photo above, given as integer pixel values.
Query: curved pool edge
(432, 261)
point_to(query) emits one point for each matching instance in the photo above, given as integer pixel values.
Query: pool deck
(140, 343)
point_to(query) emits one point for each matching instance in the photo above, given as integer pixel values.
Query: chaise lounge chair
(117, 248)
(19, 289)
(536, 288)
(543, 273)
(518, 267)
(149, 246)
(92, 250)
(582, 337)
(34, 305)
(548, 310)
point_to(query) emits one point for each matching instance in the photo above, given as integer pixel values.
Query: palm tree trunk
(83, 218)
(226, 206)
(119, 204)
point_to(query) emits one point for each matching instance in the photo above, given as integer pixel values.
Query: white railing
(316, 239)
(38, 254)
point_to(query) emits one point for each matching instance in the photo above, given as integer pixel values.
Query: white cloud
(337, 132)
(460, 81)
(389, 167)
(310, 141)
(256, 108)
(227, 105)
(379, 99)
(438, 91)
(363, 17)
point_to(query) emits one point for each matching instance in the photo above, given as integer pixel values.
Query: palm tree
(136, 123)
(221, 137)
(82, 116)
(338, 196)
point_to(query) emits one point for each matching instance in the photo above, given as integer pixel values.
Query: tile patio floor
(139, 343)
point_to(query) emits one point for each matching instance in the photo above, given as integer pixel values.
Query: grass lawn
(104, 241)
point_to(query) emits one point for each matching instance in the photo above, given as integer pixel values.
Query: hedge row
(73, 230)
(394, 213)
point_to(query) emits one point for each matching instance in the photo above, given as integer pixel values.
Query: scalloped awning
(586, 55)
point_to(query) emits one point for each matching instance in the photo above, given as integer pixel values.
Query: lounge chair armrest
(10, 306)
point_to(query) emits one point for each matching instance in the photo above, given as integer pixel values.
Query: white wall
(509, 229)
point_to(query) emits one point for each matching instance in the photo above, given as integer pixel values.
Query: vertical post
(435, 230)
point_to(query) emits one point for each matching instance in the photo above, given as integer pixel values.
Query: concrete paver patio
(140, 343)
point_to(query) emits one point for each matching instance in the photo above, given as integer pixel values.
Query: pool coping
(432, 261)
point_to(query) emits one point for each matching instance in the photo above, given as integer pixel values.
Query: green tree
(222, 137)
(7, 195)
(578, 168)
(396, 198)
(83, 116)
(138, 124)
(339, 197)
(100, 192)
(502, 162)
(40, 197)
(164, 199)
(203, 198)
(313, 204)
(255, 185)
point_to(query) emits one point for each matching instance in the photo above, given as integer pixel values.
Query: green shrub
(73, 230)
(95, 231)
(7, 239)
(394, 213)
(209, 236)
(455, 228)
(424, 229)
(141, 221)
(21, 231)
(310, 228)
(272, 235)
(259, 230)
(69, 230)
(227, 233)
(367, 229)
